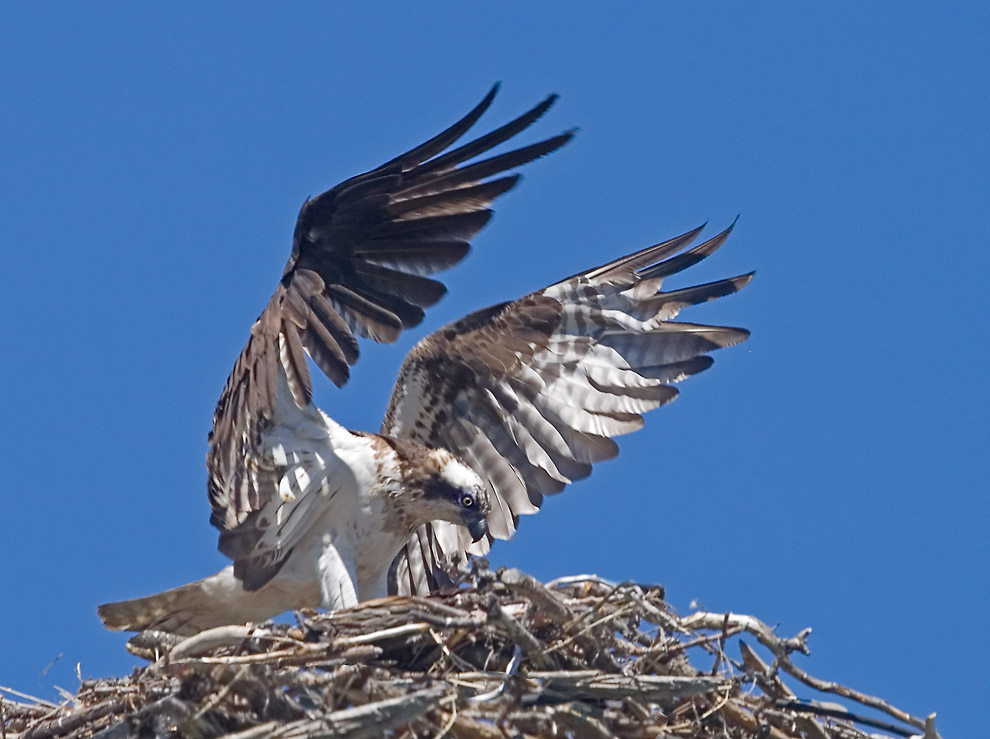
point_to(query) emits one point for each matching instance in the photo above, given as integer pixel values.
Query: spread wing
(361, 253)
(530, 393)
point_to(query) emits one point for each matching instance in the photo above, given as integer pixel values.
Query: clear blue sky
(831, 472)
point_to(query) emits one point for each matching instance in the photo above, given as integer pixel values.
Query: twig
(217, 699)
(391, 633)
(866, 700)
(461, 663)
(19, 694)
(515, 630)
(307, 651)
(65, 724)
(622, 611)
(592, 684)
(597, 608)
(451, 721)
(212, 639)
(782, 649)
(255, 732)
(66, 695)
(369, 720)
(547, 605)
(313, 650)
(681, 647)
(580, 725)
(711, 711)
(756, 665)
(510, 670)
(778, 645)
(838, 712)
(574, 579)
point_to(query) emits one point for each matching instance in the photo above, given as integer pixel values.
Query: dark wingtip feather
(504, 184)
(743, 334)
(533, 114)
(697, 294)
(448, 136)
(448, 161)
(541, 148)
(345, 375)
(686, 259)
(486, 101)
(743, 280)
(728, 229)
(733, 335)
(643, 259)
(543, 106)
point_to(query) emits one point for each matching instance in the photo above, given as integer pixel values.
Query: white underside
(330, 508)
(329, 511)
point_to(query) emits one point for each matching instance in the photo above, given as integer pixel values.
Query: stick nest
(506, 656)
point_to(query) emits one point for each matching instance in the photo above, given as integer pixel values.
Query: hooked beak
(477, 526)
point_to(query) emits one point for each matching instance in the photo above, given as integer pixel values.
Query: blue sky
(828, 473)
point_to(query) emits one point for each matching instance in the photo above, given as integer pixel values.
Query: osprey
(488, 414)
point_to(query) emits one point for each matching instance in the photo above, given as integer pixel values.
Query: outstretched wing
(531, 392)
(361, 253)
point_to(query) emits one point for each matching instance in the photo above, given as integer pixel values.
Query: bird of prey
(488, 414)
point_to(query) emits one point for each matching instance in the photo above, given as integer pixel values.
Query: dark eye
(467, 501)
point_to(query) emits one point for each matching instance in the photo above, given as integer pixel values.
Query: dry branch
(503, 656)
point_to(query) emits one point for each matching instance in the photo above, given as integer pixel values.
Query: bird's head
(454, 492)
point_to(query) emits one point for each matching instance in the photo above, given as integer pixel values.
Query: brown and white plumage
(312, 513)
(530, 393)
(360, 255)
(488, 415)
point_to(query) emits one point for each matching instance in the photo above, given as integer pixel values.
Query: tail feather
(216, 600)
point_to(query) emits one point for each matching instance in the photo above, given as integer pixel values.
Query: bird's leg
(337, 575)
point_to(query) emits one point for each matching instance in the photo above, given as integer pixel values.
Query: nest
(506, 656)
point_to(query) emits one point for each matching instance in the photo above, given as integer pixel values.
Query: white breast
(356, 539)
(331, 507)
